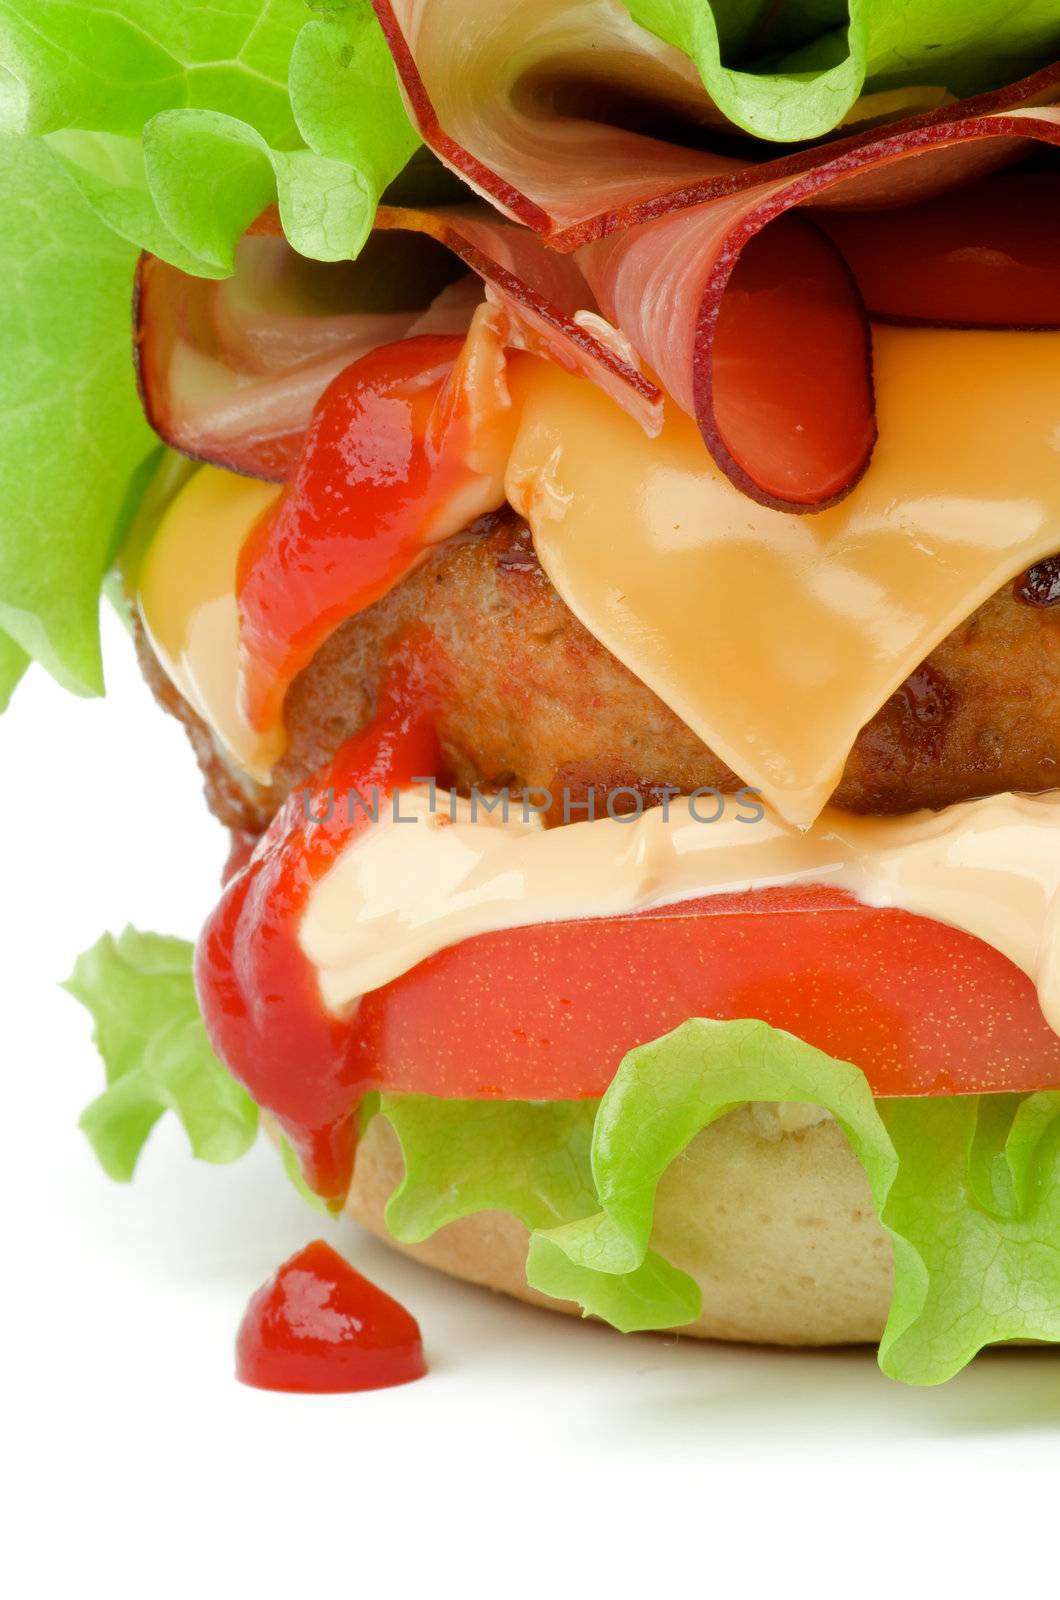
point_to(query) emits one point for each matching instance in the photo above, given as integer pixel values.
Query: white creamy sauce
(401, 891)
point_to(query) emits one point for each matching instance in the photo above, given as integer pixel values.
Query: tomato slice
(548, 1012)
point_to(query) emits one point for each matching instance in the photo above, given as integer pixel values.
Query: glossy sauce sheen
(258, 991)
(319, 1327)
(777, 637)
(405, 448)
(540, 1001)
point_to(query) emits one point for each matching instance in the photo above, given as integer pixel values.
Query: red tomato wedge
(548, 1012)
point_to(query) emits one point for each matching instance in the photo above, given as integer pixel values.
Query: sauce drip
(319, 1327)
(259, 993)
(404, 970)
(406, 447)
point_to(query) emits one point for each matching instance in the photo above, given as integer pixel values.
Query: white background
(539, 1455)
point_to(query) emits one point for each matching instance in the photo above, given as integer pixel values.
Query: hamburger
(592, 497)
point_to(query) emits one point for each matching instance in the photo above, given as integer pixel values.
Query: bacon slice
(483, 82)
(986, 255)
(667, 282)
(230, 372)
(524, 99)
(692, 280)
(749, 317)
(546, 297)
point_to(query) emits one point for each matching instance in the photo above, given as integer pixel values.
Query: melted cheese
(186, 593)
(776, 637)
(399, 893)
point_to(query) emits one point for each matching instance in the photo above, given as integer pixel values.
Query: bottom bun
(769, 1210)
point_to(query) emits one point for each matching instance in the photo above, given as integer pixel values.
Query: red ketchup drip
(385, 453)
(241, 844)
(318, 1327)
(259, 993)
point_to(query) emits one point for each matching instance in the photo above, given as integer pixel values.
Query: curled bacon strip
(523, 100)
(230, 372)
(483, 82)
(748, 315)
(986, 255)
(668, 283)
(546, 297)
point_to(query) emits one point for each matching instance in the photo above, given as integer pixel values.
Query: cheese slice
(186, 595)
(776, 637)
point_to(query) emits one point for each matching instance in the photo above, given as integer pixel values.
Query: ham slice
(667, 284)
(230, 372)
(483, 81)
(986, 255)
(742, 305)
(529, 102)
(737, 288)
(549, 305)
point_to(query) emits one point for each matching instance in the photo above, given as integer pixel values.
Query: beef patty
(530, 698)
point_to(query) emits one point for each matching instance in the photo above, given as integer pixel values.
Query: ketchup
(241, 844)
(405, 440)
(319, 1327)
(405, 447)
(259, 994)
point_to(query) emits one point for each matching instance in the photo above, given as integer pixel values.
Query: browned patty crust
(531, 699)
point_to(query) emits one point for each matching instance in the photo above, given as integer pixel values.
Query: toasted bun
(773, 1219)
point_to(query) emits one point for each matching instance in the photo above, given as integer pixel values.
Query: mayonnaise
(402, 890)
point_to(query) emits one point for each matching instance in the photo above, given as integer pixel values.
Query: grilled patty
(530, 699)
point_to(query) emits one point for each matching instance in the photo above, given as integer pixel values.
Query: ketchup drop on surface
(319, 1327)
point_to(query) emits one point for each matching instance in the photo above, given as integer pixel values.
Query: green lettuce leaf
(180, 122)
(968, 1187)
(975, 1263)
(804, 65)
(168, 125)
(114, 63)
(139, 990)
(13, 663)
(73, 430)
(531, 1159)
